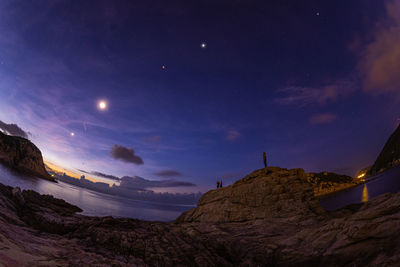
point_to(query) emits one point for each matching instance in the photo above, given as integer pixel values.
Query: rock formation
(273, 220)
(22, 155)
(389, 156)
(266, 193)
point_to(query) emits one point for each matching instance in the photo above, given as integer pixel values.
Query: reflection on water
(94, 203)
(365, 197)
(386, 182)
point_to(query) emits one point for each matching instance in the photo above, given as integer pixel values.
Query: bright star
(203, 45)
(102, 105)
(72, 134)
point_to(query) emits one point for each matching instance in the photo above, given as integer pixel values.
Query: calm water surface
(94, 203)
(387, 182)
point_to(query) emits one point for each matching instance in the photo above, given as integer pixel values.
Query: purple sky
(315, 85)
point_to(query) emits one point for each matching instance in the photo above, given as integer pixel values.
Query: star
(163, 67)
(317, 14)
(203, 45)
(72, 134)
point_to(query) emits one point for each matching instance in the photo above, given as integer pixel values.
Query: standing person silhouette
(265, 159)
(220, 184)
(217, 184)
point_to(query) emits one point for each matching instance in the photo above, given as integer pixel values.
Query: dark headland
(22, 155)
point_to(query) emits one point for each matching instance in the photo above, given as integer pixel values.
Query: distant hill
(390, 154)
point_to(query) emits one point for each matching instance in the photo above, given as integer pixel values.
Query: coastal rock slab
(266, 193)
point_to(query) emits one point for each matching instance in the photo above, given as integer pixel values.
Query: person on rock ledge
(265, 163)
(217, 184)
(265, 159)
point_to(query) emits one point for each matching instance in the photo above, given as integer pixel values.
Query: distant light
(317, 13)
(102, 105)
(72, 134)
(361, 175)
(164, 67)
(203, 45)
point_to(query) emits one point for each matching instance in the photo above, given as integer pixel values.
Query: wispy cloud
(379, 60)
(100, 174)
(168, 173)
(322, 118)
(303, 95)
(142, 183)
(233, 135)
(125, 154)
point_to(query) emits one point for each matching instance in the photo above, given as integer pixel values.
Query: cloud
(322, 118)
(103, 175)
(13, 129)
(303, 96)
(233, 135)
(137, 182)
(83, 171)
(125, 154)
(135, 188)
(100, 174)
(168, 173)
(379, 61)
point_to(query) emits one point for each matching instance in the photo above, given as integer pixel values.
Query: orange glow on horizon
(70, 173)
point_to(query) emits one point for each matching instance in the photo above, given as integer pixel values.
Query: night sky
(197, 90)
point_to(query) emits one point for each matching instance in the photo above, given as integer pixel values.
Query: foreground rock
(293, 231)
(22, 155)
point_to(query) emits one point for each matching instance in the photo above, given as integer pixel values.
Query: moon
(102, 105)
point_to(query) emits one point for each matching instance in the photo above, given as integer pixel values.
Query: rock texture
(22, 155)
(39, 230)
(389, 156)
(267, 193)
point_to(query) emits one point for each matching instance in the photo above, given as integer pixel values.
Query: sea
(386, 182)
(95, 203)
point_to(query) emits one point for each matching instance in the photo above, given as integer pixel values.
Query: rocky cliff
(390, 154)
(39, 230)
(22, 155)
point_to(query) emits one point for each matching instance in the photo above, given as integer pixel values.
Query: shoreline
(341, 190)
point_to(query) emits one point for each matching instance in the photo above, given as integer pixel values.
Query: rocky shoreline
(264, 219)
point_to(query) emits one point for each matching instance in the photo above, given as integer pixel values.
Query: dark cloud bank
(136, 188)
(13, 129)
